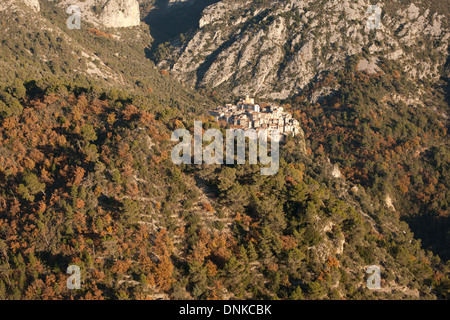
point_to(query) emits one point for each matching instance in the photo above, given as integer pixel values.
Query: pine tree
(297, 294)
(252, 254)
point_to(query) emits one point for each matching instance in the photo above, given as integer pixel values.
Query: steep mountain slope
(389, 135)
(374, 101)
(168, 19)
(274, 49)
(38, 45)
(86, 178)
(107, 13)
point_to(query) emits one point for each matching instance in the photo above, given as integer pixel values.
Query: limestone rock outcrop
(120, 13)
(274, 51)
(107, 13)
(34, 4)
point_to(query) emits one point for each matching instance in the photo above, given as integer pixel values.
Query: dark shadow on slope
(446, 80)
(433, 232)
(433, 229)
(167, 22)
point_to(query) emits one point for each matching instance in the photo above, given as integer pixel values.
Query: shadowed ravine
(167, 22)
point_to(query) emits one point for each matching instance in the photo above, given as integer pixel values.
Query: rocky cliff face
(108, 13)
(120, 13)
(275, 50)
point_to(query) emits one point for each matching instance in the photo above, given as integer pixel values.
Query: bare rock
(33, 4)
(336, 173)
(120, 14)
(274, 51)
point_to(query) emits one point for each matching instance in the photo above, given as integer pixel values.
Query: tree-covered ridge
(388, 139)
(86, 179)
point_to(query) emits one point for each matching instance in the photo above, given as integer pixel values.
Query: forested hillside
(87, 179)
(373, 101)
(86, 176)
(387, 140)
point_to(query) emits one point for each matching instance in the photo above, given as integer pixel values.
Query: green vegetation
(87, 179)
(387, 142)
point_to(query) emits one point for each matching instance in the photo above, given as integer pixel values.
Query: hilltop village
(248, 115)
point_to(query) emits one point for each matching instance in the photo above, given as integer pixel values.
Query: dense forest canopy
(87, 180)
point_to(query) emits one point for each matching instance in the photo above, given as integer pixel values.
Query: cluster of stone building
(248, 115)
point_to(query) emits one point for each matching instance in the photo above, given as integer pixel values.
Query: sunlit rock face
(107, 13)
(276, 50)
(120, 14)
(34, 4)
